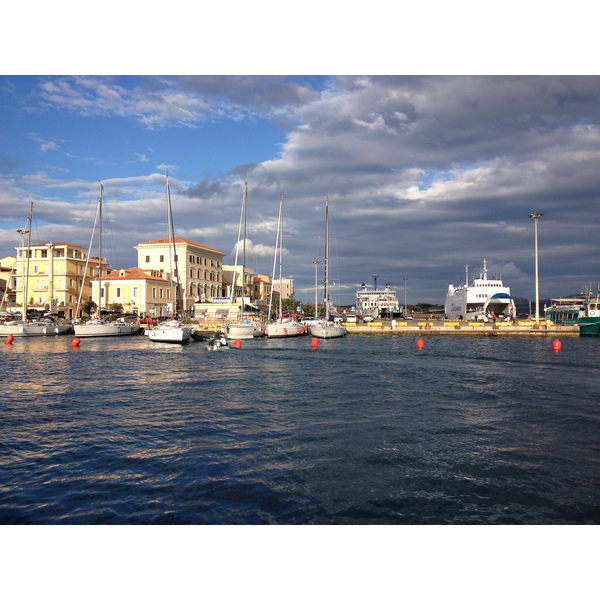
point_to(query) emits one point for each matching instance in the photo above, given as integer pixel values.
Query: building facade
(54, 277)
(145, 293)
(199, 268)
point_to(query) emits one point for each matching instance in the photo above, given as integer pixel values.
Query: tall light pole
(536, 217)
(405, 280)
(316, 263)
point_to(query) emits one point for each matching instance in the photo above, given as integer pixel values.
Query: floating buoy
(9, 340)
(237, 344)
(556, 346)
(75, 343)
(420, 344)
(314, 343)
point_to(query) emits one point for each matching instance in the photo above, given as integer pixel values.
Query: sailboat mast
(25, 263)
(175, 302)
(280, 255)
(326, 290)
(277, 246)
(100, 252)
(245, 208)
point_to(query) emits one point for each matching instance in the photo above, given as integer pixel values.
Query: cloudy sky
(424, 173)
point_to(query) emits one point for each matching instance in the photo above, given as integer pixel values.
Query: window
(134, 292)
(118, 292)
(161, 293)
(44, 253)
(147, 258)
(154, 293)
(161, 258)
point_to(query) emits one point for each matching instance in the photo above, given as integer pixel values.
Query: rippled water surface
(361, 430)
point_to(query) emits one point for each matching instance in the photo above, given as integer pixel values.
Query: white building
(199, 267)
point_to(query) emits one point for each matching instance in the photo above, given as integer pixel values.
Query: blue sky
(424, 172)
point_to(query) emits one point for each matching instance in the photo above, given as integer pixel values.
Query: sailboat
(172, 331)
(281, 327)
(326, 328)
(244, 329)
(97, 326)
(46, 325)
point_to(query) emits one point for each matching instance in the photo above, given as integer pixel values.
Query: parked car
(367, 319)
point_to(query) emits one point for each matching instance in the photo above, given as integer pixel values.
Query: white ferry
(373, 302)
(480, 301)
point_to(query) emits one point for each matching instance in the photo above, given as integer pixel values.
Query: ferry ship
(581, 311)
(482, 300)
(372, 303)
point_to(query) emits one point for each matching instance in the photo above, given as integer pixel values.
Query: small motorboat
(217, 342)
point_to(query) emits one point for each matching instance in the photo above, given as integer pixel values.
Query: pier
(468, 328)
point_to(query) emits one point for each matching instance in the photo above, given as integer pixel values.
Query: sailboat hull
(106, 329)
(171, 332)
(244, 331)
(328, 330)
(34, 329)
(283, 330)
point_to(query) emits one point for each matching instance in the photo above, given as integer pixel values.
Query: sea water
(360, 430)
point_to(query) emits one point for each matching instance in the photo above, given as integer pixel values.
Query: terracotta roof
(132, 274)
(71, 245)
(179, 240)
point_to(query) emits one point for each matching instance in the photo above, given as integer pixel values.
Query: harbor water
(364, 430)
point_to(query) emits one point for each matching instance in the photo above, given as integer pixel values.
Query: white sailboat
(281, 327)
(46, 325)
(327, 329)
(244, 329)
(172, 331)
(97, 326)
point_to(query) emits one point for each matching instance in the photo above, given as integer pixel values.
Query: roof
(132, 274)
(180, 240)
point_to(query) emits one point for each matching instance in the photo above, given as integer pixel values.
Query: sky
(425, 172)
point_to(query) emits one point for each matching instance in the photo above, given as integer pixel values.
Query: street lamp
(405, 280)
(316, 263)
(536, 217)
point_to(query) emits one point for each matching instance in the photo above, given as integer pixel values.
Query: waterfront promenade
(442, 327)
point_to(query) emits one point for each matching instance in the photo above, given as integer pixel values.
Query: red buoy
(9, 339)
(237, 344)
(75, 343)
(314, 343)
(420, 344)
(556, 345)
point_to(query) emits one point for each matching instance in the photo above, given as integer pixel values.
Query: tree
(88, 307)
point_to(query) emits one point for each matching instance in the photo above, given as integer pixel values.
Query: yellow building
(52, 275)
(285, 287)
(199, 268)
(145, 293)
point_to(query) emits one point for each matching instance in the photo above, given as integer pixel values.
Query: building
(199, 268)
(375, 303)
(285, 287)
(145, 293)
(51, 277)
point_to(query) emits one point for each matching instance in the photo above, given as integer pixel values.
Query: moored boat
(327, 328)
(245, 328)
(173, 331)
(481, 300)
(581, 311)
(282, 327)
(97, 326)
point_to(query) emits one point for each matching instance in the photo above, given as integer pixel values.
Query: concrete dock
(442, 327)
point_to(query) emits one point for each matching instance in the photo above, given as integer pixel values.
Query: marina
(460, 431)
